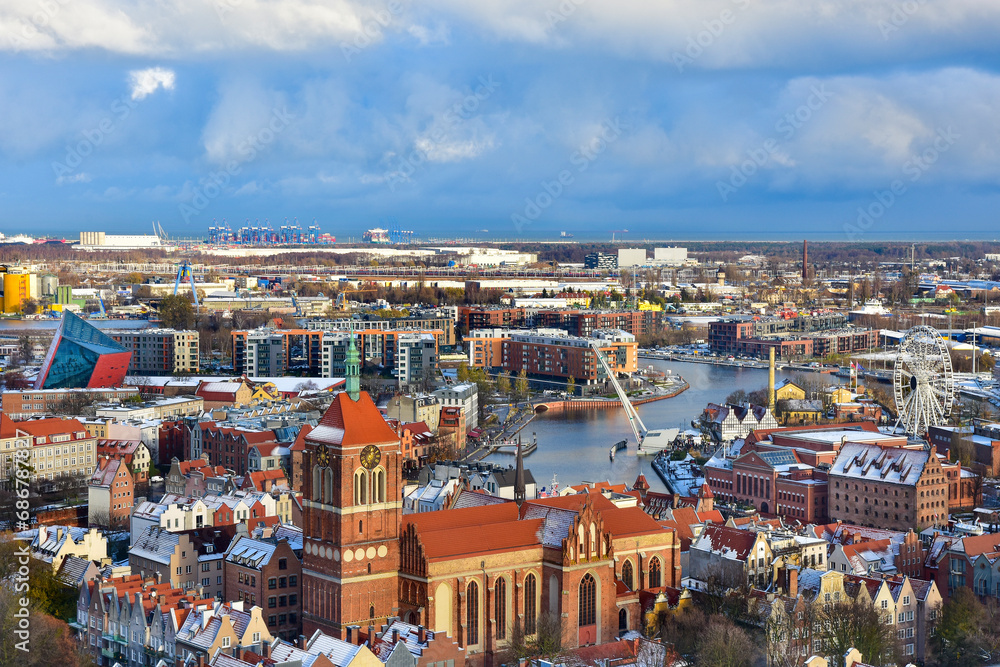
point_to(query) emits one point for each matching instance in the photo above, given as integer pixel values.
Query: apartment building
(58, 447)
(443, 325)
(184, 559)
(265, 354)
(110, 494)
(268, 573)
(34, 402)
(160, 351)
(552, 354)
(382, 347)
(159, 409)
(416, 358)
(464, 396)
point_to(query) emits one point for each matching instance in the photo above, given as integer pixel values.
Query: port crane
(617, 231)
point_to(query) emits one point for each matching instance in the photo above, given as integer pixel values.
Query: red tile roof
(481, 515)
(352, 423)
(626, 521)
(469, 540)
(981, 544)
(300, 439)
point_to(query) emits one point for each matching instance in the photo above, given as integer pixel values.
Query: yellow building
(789, 391)
(16, 290)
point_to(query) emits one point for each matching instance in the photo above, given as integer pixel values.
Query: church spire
(519, 486)
(352, 368)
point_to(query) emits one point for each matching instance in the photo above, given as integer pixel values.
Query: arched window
(593, 540)
(378, 485)
(360, 487)
(627, 577)
(582, 545)
(500, 600)
(655, 575)
(371, 612)
(530, 608)
(588, 600)
(472, 613)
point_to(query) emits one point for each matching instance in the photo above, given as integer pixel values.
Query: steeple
(352, 368)
(519, 485)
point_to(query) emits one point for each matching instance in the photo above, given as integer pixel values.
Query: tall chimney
(770, 379)
(805, 262)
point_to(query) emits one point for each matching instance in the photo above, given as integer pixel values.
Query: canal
(574, 445)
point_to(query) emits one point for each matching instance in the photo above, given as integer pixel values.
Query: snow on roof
(873, 463)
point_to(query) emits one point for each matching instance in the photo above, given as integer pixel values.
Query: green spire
(352, 367)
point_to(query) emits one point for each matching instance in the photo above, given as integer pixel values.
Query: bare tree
(724, 644)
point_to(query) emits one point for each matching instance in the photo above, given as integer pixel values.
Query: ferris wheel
(922, 380)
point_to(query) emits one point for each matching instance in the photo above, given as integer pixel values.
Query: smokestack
(805, 262)
(770, 379)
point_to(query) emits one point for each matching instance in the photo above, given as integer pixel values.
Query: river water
(574, 445)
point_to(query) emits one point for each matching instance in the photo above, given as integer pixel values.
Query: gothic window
(472, 613)
(360, 487)
(588, 600)
(530, 610)
(378, 485)
(627, 577)
(654, 573)
(500, 599)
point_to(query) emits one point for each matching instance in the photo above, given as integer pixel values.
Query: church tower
(351, 512)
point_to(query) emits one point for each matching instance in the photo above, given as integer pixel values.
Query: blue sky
(728, 119)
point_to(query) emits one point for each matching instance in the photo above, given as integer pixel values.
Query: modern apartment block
(416, 357)
(264, 354)
(551, 353)
(377, 346)
(464, 396)
(300, 346)
(444, 326)
(160, 351)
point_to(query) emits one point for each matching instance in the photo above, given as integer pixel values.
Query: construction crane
(185, 272)
(341, 304)
(617, 231)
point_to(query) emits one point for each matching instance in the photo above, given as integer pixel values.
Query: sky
(848, 120)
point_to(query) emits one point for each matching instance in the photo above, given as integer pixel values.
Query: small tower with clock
(350, 513)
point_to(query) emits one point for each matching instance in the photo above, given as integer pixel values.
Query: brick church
(475, 572)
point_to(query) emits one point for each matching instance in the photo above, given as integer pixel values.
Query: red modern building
(81, 356)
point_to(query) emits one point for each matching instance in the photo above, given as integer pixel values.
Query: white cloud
(733, 33)
(145, 82)
(81, 177)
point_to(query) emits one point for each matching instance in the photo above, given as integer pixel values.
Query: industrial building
(628, 257)
(600, 260)
(104, 241)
